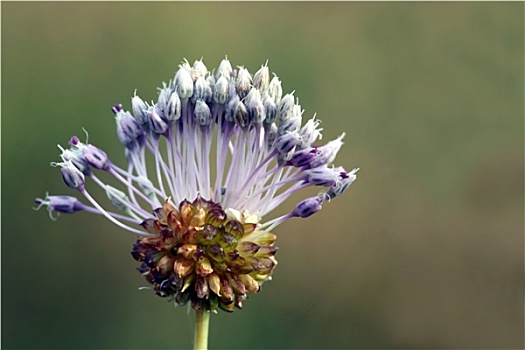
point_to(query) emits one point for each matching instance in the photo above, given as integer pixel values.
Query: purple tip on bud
(74, 141)
(308, 207)
(73, 177)
(116, 108)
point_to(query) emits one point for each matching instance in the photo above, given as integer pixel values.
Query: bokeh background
(425, 250)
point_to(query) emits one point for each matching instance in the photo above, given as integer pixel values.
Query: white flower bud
(225, 69)
(220, 95)
(183, 83)
(202, 113)
(275, 90)
(286, 106)
(243, 83)
(261, 79)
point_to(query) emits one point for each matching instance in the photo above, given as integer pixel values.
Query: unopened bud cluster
(205, 255)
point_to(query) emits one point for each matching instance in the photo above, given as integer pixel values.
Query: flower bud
(199, 69)
(173, 108)
(220, 94)
(73, 177)
(61, 204)
(275, 90)
(199, 89)
(322, 176)
(303, 157)
(308, 207)
(326, 154)
(128, 129)
(96, 158)
(164, 96)
(76, 156)
(309, 133)
(140, 109)
(342, 185)
(155, 121)
(285, 109)
(230, 108)
(243, 83)
(290, 125)
(270, 109)
(183, 83)
(225, 69)
(261, 79)
(240, 115)
(202, 113)
(285, 143)
(255, 108)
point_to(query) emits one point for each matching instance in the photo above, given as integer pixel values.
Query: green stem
(201, 330)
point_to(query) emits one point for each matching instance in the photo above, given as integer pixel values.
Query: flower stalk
(202, 323)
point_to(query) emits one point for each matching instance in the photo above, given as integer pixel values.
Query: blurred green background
(425, 250)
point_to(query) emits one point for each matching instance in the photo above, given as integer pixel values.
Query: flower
(226, 150)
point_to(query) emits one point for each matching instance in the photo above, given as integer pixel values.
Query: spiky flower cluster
(203, 254)
(227, 149)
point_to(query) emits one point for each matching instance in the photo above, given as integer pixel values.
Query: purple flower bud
(285, 143)
(322, 176)
(73, 177)
(308, 207)
(76, 156)
(202, 113)
(96, 158)
(61, 204)
(128, 129)
(317, 156)
(303, 157)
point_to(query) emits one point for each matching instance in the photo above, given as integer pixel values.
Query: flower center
(204, 254)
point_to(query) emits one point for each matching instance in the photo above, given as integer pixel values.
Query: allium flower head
(207, 164)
